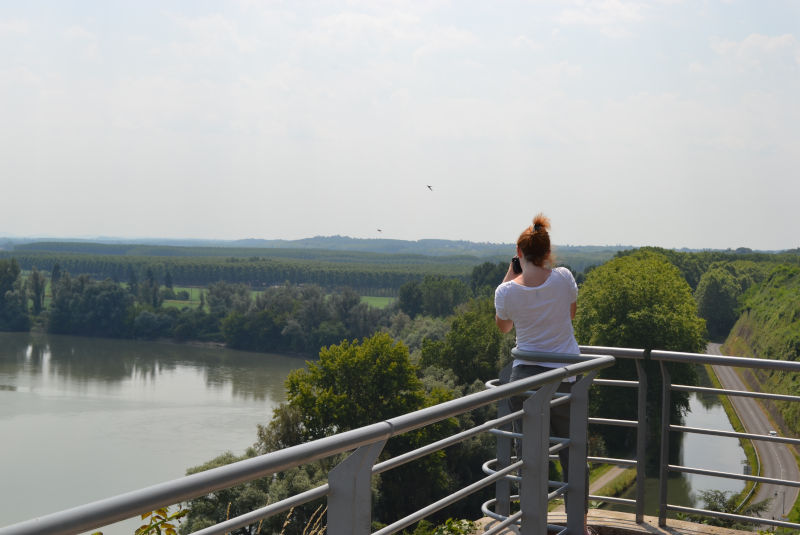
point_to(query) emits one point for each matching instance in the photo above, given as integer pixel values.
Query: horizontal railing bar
(728, 516)
(729, 475)
(447, 500)
(558, 492)
(615, 382)
(443, 443)
(734, 434)
(265, 512)
(620, 352)
(736, 362)
(743, 393)
(611, 460)
(610, 421)
(692, 358)
(409, 422)
(609, 499)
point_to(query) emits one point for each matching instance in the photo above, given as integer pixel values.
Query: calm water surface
(723, 454)
(83, 419)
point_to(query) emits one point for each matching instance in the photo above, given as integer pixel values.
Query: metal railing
(663, 357)
(348, 489)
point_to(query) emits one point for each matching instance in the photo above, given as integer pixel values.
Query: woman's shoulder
(562, 271)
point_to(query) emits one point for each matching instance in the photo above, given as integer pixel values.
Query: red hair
(534, 242)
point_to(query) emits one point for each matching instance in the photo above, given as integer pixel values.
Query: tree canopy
(639, 301)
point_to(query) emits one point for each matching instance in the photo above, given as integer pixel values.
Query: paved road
(776, 459)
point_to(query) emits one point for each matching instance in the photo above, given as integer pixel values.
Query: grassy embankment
(769, 327)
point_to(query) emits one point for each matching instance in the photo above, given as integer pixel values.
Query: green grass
(377, 302)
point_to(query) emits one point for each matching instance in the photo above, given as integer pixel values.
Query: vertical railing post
(641, 440)
(663, 476)
(502, 489)
(535, 458)
(350, 498)
(577, 489)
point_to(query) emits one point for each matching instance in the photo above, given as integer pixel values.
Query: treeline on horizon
(369, 273)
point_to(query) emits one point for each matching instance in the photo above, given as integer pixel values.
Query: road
(776, 459)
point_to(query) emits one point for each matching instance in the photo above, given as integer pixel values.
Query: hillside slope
(769, 327)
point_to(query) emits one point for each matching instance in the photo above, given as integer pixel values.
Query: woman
(540, 301)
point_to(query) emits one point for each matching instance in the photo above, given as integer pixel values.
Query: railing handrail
(127, 505)
(693, 358)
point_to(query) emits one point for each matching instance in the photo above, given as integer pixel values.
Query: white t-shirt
(541, 314)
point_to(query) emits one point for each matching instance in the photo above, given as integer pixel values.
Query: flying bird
(379, 230)
(430, 188)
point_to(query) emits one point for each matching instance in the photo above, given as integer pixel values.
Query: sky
(668, 123)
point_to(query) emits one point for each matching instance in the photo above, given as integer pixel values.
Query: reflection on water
(723, 454)
(94, 417)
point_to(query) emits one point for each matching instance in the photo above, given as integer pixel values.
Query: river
(83, 419)
(723, 454)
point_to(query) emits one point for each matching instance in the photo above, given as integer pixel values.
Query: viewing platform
(619, 523)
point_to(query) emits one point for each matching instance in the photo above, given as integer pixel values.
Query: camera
(515, 265)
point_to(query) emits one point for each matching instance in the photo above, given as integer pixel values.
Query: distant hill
(255, 247)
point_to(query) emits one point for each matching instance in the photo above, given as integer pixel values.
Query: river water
(723, 454)
(83, 419)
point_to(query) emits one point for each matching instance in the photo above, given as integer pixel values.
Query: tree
(224, 298)
(441, 295)
(729, 503)
(90, 308)
(486, 277)
(639, 301)
(13, 298)
(133, 281)
(37, 284)
(473, 348)
(354, 384)
(409, 298)
(55, 276)
(717, 297)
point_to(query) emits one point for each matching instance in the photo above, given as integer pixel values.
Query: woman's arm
(573, 308)
(504, 325)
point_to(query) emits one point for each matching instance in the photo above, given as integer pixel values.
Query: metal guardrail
(662, 357)
(348, 488)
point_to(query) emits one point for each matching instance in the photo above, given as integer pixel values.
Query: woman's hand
(510, 275)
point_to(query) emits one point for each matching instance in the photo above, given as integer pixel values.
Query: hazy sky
(669, 123)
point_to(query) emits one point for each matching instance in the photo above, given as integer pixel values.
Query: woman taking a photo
(540, 301)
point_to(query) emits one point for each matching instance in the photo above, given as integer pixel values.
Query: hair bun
(541, 222)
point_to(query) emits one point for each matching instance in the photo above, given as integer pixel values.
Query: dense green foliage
(769, 327)
(85, 307)
(433, 296)
(720, 289)
(13, 299)
(638, 301)
(474, 349)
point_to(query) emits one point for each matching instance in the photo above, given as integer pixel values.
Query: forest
(436, 341)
